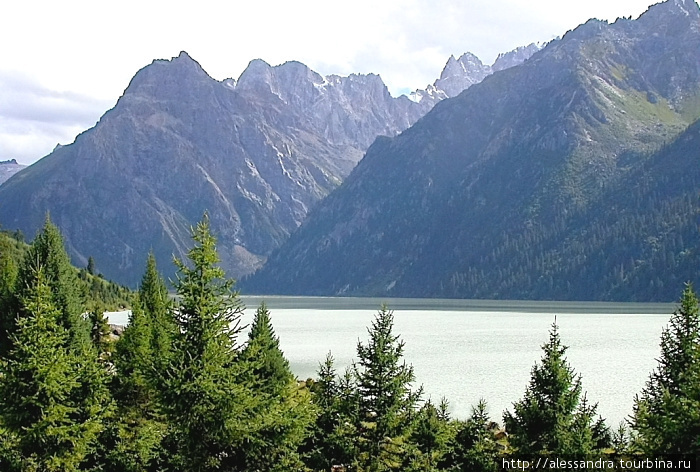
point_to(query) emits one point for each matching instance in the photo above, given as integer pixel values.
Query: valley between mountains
(562, 171)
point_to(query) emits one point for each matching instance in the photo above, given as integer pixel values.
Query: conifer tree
(666, 415)
(48, 422)
(284, 407)
(211, 413)
(332, 440)
(269, 368)
(48, 252)
(553, 417)
(47, 256)
(319, 448)
(100, 332)
(156, 305)
(473, 446)
(386, 399)
(91, 266)
(142, 352)
(431, 434)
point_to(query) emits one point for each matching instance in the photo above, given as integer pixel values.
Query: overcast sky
(64, 63)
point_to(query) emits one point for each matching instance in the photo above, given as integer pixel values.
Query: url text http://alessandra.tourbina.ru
(626, 463)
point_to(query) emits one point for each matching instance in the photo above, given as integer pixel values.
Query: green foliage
(100, 333)
(367, 418)
(431, 434)
(11, 253)
(269, 368)
(386, 400)
(212, 415)
(50, 417)
(188, 396)
(667, 413)
(332, 440)
(473, 445)
(143, 350)
(48, 252)
(104, 294)
(553, 418)
(91, 266)
(157, 307)
(146, 344)
(284, 410)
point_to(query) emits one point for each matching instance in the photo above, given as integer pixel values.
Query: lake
(465, 350)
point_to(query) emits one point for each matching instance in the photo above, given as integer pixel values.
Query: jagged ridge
(257, 153)
(486, 195)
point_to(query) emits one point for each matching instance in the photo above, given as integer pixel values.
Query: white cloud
(33, 118)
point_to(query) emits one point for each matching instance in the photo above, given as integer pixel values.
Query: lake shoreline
(451, 304)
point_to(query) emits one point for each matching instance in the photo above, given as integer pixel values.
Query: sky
(63, 64)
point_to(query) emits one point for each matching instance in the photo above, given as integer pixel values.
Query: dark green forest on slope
(180, 390)
(643, 237)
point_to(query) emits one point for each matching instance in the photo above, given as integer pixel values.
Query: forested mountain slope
(551, 180)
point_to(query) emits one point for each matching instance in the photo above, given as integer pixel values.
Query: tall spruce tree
(48, 422)
(212, 414)
(142, 351)
(666, 415)
(156, 305)
(47, 257)
(386, 399)
(553, 417)
(48, 252)
(146, 343)
(332, 440)
(284, 407)
(269, 368)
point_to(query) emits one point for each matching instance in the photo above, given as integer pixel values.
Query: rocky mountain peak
(9, 168)
(162, 77)
(672, 16)
(257, 74)
(461, 73)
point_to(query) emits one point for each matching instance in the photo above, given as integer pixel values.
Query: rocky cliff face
(256, 153)
(518, 187)
(8, 169)
(460, 74)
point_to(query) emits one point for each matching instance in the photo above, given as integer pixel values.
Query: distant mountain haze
(257, 154)
(574, 175)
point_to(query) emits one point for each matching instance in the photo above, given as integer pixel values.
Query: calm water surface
(467, 350)
(465, 354)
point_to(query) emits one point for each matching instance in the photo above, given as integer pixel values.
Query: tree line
(183, 390)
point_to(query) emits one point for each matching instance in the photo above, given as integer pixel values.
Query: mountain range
(256, 153)
(574, 176)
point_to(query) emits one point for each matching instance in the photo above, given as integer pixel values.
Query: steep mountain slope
(256, 153)
(497, 193)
